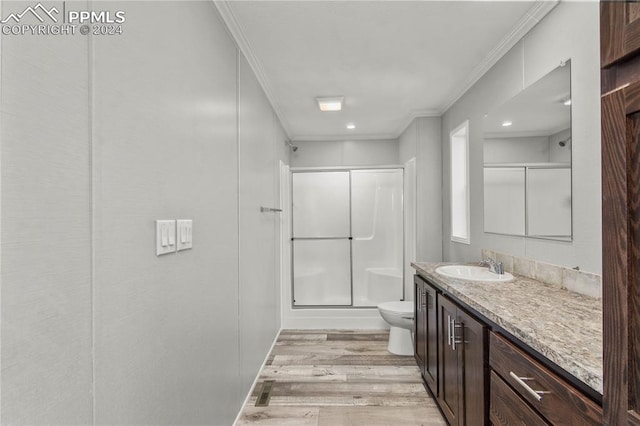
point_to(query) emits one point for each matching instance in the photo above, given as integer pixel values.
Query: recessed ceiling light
(567, 102)
(330, 103)
(506, 123)
(351, 126)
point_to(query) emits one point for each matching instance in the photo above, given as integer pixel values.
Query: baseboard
(253, 385)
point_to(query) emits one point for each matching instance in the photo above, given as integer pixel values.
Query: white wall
(569, 31)
(259, 282)
(46, 310)
(162, 150)
(421, 140)
(345, 153)
(100, 137)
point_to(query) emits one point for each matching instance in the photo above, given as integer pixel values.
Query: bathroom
(186, 115)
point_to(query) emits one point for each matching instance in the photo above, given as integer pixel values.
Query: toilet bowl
(399, 315)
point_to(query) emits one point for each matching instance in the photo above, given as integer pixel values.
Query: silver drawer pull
(521, 381)
(454, 339)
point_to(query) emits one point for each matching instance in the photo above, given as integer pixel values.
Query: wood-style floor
(338, 377)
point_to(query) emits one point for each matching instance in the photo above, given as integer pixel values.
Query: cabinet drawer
(508, 409)
(558, 401)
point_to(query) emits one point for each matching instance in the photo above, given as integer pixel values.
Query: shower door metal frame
(350, 238)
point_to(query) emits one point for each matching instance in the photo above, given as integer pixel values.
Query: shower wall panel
(377, 223)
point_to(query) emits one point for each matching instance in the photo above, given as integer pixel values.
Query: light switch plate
(165, 236)
(185, 234)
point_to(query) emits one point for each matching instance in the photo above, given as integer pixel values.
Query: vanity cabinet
(463, 365)
(480, 375)
(426, 333)
(451, 351)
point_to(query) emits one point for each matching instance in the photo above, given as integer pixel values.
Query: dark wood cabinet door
(621, 253)
(426, 333)
(475, 369)
(431, 351)
(420, 323)
(620, 106)
(620, 31)
(450, 377)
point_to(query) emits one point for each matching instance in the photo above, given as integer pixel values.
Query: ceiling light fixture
(351, 126)
(330, 103)
(506, 123)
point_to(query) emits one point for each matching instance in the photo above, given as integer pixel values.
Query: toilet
(399, 315)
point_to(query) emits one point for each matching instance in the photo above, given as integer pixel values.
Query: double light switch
(173, 235)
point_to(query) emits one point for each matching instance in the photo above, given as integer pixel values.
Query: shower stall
(347, 237)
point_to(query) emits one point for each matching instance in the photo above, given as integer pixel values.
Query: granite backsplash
(586, 283)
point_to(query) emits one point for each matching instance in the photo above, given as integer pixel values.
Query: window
(460, 184)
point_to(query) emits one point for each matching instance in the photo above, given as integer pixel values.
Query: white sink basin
(472, 273)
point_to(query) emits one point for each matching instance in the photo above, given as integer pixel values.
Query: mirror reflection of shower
(529, 161)
(564, 143)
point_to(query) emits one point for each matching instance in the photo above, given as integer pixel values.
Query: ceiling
(391, 60)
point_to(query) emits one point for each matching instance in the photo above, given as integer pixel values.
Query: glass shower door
(378, 236)
(321, 239)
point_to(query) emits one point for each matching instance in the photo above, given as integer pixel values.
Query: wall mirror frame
(527, 161)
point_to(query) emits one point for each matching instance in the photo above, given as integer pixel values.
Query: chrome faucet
(495, 267)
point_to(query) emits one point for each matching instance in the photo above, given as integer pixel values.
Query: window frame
(455, 134)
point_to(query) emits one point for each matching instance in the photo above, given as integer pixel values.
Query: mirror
(527, 161)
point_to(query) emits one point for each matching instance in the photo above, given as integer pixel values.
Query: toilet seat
(399, 308)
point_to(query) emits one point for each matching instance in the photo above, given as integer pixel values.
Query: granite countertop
(563, 326)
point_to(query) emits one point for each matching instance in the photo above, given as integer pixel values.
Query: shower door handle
(269, 209)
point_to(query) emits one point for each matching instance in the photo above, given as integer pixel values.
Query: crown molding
(529, 20)
(424, 113)
(227, 14)
(416, 114)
